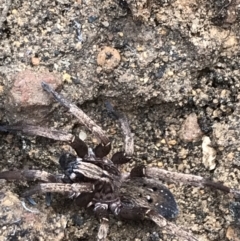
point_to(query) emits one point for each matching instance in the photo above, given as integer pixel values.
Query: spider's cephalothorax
(94, 180)
(101, 172)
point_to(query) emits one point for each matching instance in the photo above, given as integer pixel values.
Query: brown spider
(94, 181)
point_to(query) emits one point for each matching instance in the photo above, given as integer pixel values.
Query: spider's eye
(65, 160)
(154, 189)
(149, 199)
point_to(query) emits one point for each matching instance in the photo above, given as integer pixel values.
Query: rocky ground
(170, 66)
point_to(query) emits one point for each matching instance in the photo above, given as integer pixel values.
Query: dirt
(174, 58)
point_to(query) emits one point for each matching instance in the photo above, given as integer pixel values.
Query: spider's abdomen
(151, 194)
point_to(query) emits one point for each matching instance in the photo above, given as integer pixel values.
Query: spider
(94, 181)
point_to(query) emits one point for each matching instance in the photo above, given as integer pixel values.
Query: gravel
(173, 59)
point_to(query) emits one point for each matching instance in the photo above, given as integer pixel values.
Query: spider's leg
(48, 199)
(30, 175)
(38, 131)
(170, 227)
(101, 212)
(77, 144)
(84, 119)
(188, 179)
(78, 169)
(103, 229)
(122, 157)
(75, 189)
(84, 199)
(128, 211)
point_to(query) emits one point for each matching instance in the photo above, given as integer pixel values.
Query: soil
(170, 59)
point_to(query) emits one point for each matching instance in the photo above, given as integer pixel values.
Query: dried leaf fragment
(209, 154)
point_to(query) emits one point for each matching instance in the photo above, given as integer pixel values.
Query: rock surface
(177, 58)
(27, 102)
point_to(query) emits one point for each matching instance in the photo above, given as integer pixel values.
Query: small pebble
(105, 24)
(1, 89)
(233, 233)
(82, 135)
(94, 140)
(209, 154)
(92, 19)
(67, 77)
(172, 142)
(108, 58)
(190, 130)
(160, 164)
(35, 61)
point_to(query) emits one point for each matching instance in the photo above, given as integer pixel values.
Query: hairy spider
(93, 180)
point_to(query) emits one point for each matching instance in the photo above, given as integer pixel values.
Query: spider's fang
(48, 199)
(120, 158)
(79, 146)
(103, 229)
(102, 150)
(138, 171)
(31, 201)
(29, 210)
